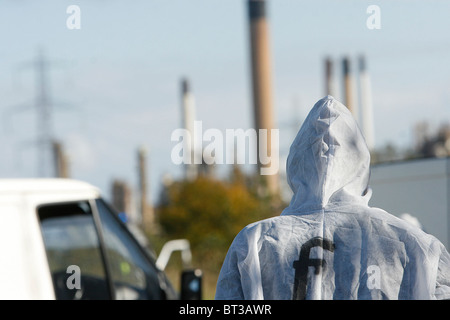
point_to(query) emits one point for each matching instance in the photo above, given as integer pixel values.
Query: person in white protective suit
(328, 243)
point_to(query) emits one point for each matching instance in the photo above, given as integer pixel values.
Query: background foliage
(210, 213)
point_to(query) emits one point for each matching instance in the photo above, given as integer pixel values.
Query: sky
(114, 83)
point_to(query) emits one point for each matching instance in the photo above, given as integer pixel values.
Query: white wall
(418, 187)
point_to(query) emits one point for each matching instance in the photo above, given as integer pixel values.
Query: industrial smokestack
(349, 87)
(329, 84)
(60, 161)
(188, 111)
(147, 215)
(366, 103)
(121, 196)
(261, 80)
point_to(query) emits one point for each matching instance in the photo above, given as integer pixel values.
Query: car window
(72, 246)
(133, 275)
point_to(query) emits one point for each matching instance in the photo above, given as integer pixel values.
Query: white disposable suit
(328, 243)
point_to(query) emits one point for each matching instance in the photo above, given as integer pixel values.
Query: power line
(43, 106)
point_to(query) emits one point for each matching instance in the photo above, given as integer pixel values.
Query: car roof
(46, 185)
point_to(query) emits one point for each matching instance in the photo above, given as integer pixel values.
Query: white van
(60, 240)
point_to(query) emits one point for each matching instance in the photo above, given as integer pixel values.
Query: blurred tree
(210, 213)
(389, 152)
(428, 144)
(437, 144)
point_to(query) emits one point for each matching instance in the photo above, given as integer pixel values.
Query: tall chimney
(121, 196)
(188, 112)
(261, 80)
(366, 103)
(147, 215)
(329, 85)
(349, 87)
(60, 161)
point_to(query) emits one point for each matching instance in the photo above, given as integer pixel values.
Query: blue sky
(120, 73)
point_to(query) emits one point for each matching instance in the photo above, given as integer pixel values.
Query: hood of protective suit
(328, 161)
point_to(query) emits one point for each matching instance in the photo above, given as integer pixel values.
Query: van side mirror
(191, 285)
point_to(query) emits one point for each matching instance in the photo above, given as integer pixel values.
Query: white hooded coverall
(328, 243)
